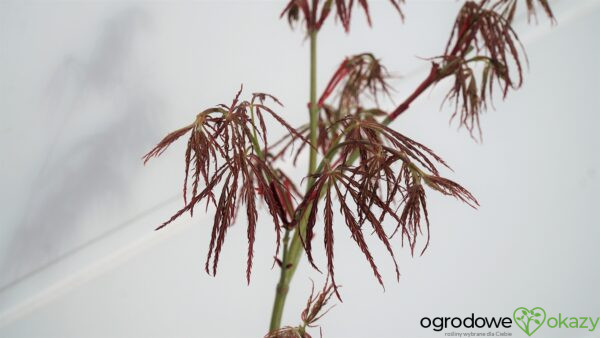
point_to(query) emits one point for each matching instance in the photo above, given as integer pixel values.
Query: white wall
(86, 88)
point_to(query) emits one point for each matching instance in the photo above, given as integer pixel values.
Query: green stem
(314, 109)
(281, 289)
(292, 254)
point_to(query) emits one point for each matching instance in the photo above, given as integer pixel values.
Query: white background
(86, 88)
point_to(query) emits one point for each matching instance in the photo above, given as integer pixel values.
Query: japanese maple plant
(357, 163)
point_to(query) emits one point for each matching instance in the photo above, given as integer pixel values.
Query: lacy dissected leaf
(357, 75)
(508, 8)
(482, 42)
(386, 180)
(315, 12)
(316, 308)
(369, 138)
(225, 156)
(484, 51)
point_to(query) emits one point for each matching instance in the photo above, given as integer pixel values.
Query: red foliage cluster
(387, 173)
(223, 150)
(482, 35)
(314, 15)
(368, 170)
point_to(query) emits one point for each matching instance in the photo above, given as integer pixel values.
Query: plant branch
(292, 254)
(429, 80)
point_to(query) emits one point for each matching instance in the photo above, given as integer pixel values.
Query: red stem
(335, 80)
(431, 78)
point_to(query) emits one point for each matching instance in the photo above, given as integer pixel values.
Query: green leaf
(536, 321)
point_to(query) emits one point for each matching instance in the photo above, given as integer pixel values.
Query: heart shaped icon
(529, 320)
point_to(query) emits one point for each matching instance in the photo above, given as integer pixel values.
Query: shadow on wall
(96, 126)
